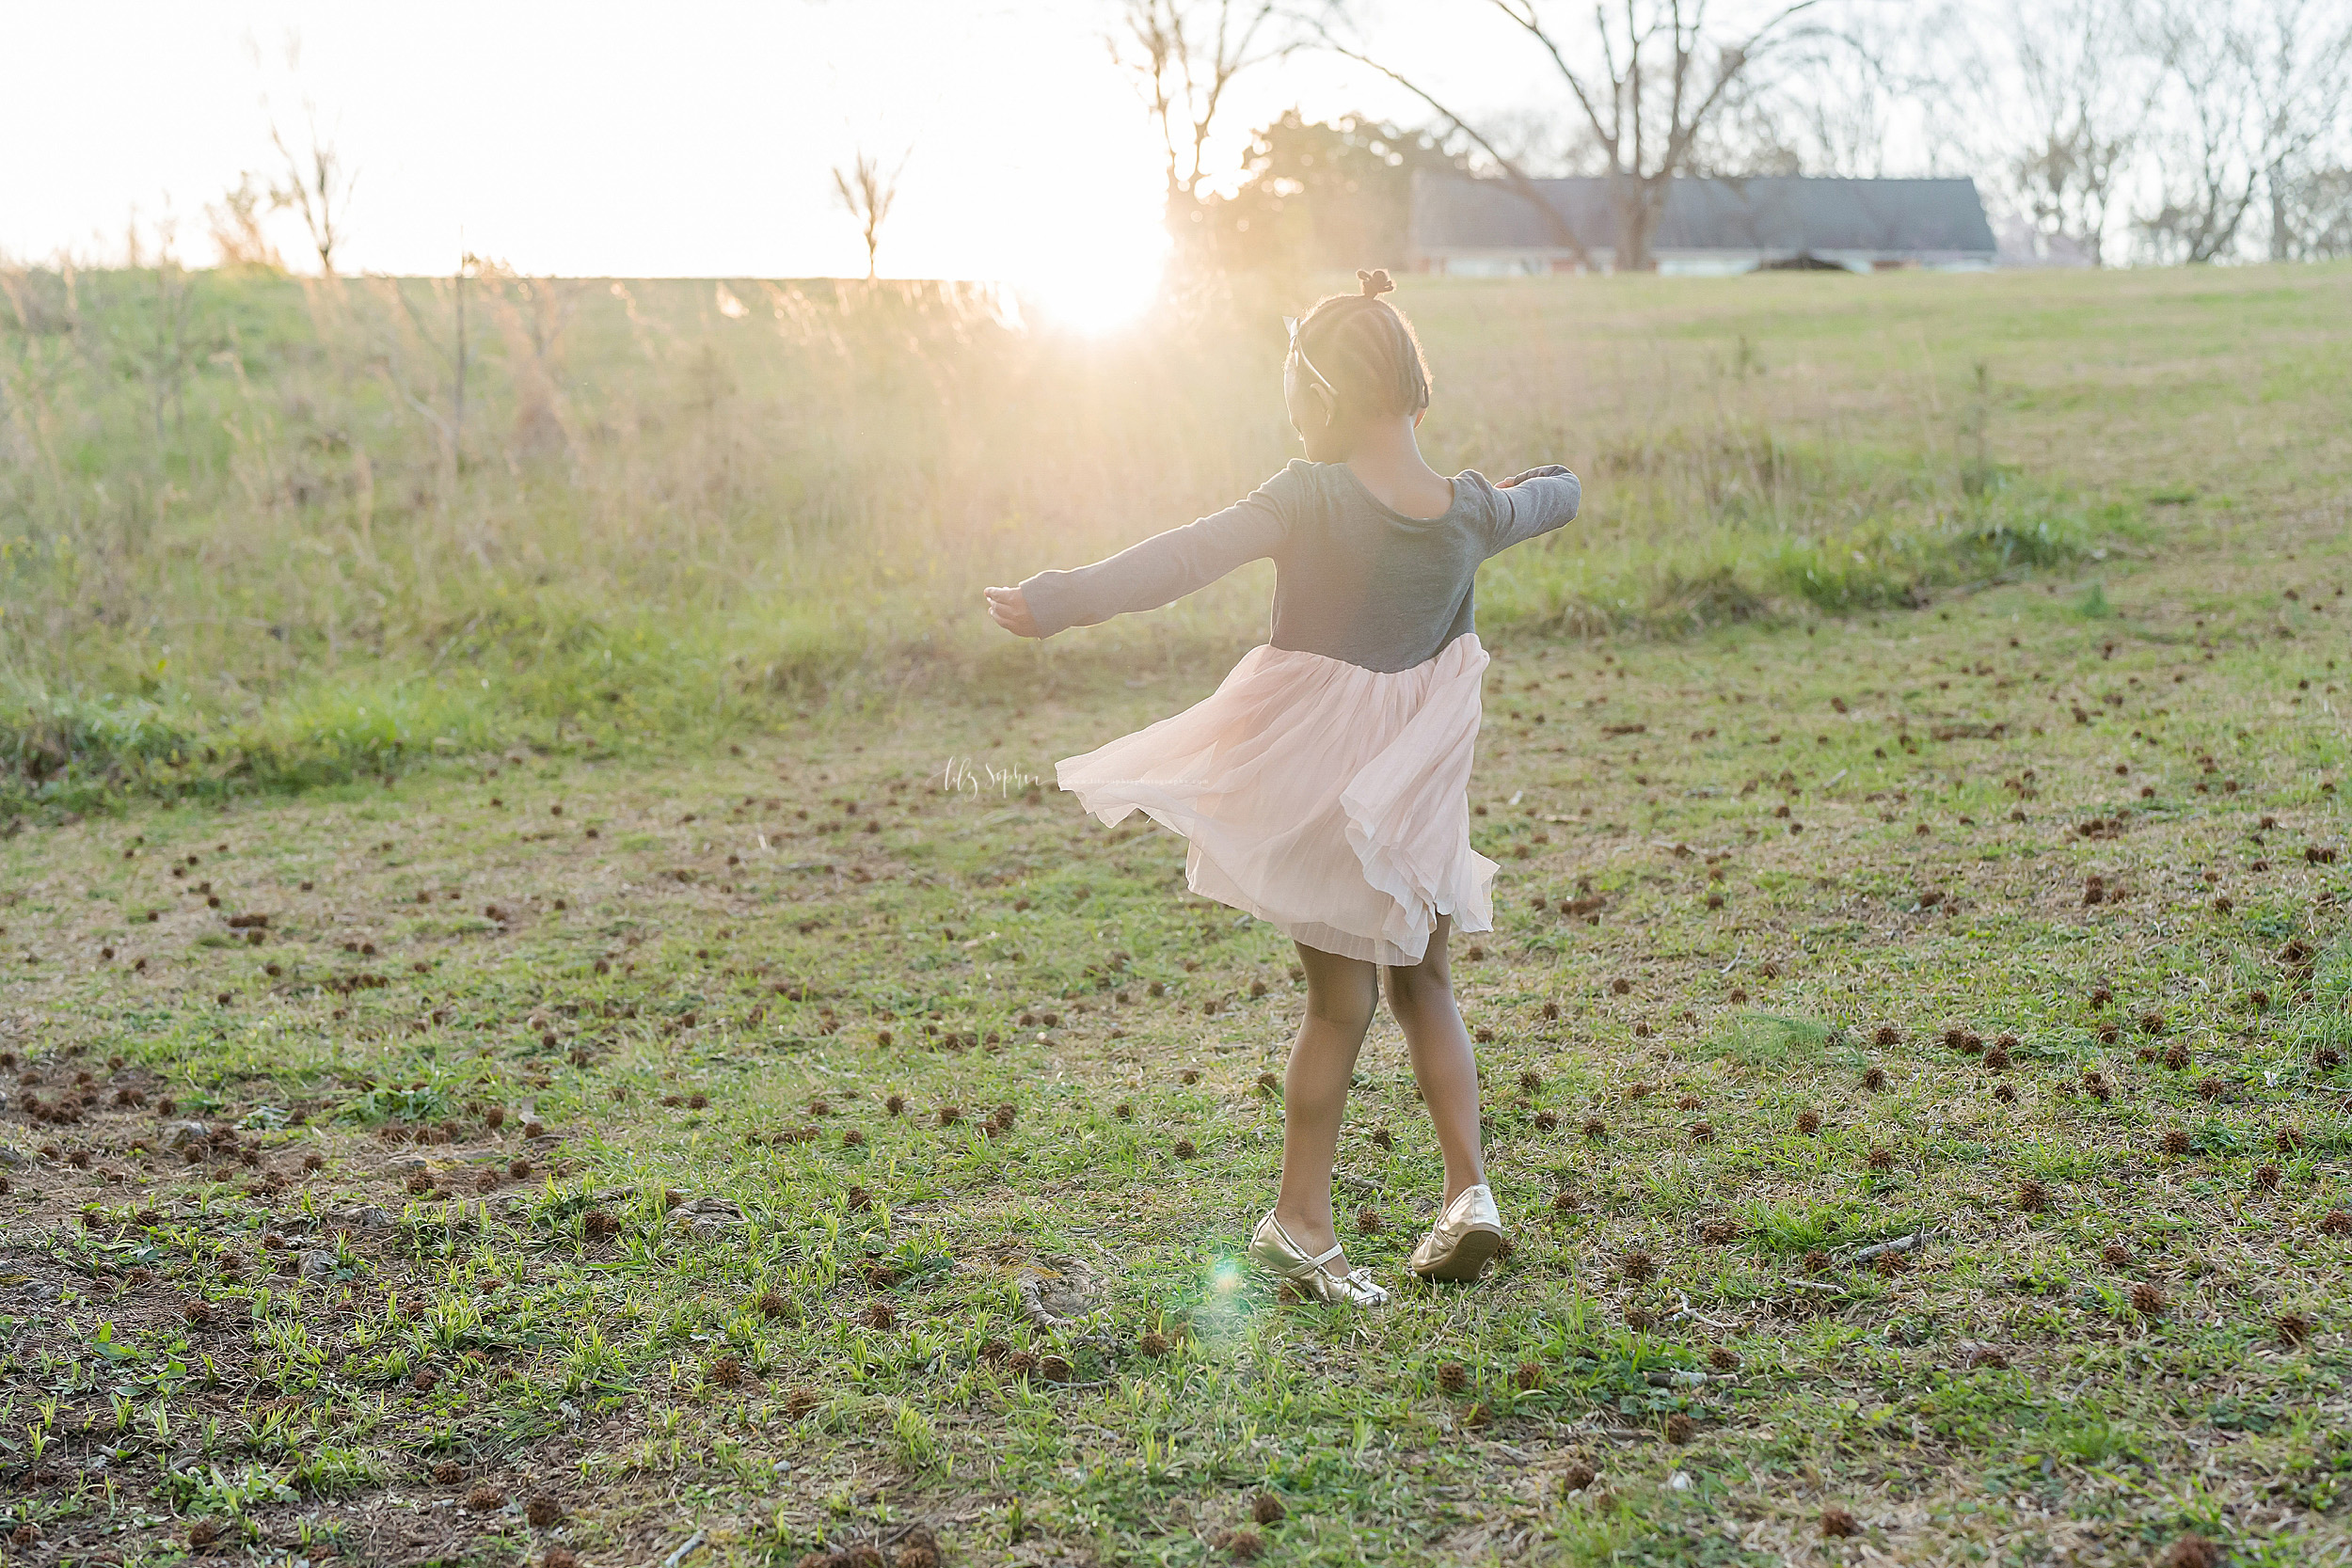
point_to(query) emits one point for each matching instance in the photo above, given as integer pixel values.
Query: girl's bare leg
(1341, 995)
(1422, 998)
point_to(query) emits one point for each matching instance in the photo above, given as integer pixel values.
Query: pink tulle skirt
(1329, 800)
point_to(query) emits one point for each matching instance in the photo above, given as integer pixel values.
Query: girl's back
(1359, 581)
(1355, 579)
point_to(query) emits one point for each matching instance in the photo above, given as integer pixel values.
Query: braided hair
(1367, 350)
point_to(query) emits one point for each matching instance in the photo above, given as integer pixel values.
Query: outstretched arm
(1534, 503)
(1161, 570)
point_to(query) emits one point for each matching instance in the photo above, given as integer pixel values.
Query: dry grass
(252, 550)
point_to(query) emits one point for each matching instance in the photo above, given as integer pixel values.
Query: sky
(693, 138)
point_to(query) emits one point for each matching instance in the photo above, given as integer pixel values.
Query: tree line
(2099, 131)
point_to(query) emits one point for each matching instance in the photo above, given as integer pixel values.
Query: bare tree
(2302, 77)
(1648, 77)
(318, 184)
(2250, 91)
(1864, 83)
(2085, 93)
(868, 194)
(1186, 54)
(2313, 220)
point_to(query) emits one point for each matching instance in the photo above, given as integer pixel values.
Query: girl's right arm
(1161, 570)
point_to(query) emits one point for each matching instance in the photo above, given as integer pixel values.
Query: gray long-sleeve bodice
(1354, 579)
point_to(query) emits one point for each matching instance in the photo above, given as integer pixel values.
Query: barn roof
(1778, 212)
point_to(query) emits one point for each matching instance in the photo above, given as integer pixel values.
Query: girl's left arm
(1534, 503)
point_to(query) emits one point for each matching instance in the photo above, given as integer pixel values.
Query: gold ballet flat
(1468, 1234)
(1272, 1249)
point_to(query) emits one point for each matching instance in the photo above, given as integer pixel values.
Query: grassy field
(246, 541)
(1915, 1041)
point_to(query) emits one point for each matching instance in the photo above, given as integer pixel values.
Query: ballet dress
(1324, 787)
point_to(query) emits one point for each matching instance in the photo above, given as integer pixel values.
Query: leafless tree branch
(868, 193)
(1648, 124)
(317, 183)
(1511, 171)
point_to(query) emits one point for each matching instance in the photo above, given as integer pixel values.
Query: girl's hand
(1009, 609)
(1549, 470)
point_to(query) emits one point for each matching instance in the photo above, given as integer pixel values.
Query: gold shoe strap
(1312, 1265)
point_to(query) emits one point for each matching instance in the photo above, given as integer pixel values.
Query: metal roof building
(1485, 228)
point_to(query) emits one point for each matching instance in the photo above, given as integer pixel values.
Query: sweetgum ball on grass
(2191, 1551)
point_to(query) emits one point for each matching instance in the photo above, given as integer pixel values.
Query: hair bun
(1377, 282)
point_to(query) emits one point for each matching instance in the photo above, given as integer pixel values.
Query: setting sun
(1098, 295)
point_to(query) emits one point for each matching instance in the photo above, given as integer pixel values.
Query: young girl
(1325, 785)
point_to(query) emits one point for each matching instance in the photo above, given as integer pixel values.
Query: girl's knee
(1346, 1007)
(1339, 992)
(1411, 985)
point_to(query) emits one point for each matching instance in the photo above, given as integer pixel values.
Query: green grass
(586, 1341)
(259, 561)
(1836, 842)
